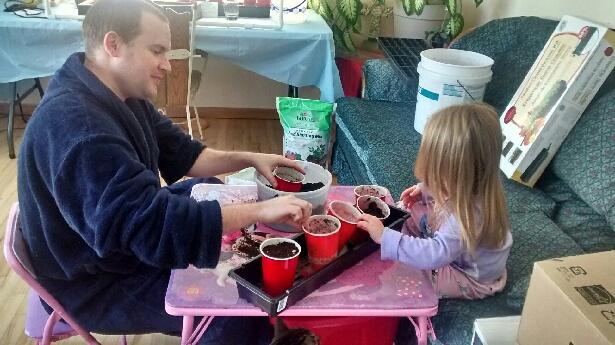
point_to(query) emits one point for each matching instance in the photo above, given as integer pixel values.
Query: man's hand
(411, 196)
(266, 163)
(285, 209)
(372, 225)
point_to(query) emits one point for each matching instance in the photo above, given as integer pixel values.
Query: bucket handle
(464, 89)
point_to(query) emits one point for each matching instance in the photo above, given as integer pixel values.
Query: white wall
(599, 11)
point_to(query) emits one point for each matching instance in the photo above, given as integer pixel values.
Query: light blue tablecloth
(298, 55)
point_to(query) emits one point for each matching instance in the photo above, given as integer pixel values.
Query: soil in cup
(282, 250)
(371, 191)
(374, 210)
(307, 187)
(322, 226)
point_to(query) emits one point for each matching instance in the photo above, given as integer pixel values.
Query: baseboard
(180, 112)
(27, 109)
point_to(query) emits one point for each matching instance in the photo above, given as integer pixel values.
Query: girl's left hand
(266, 163)
(372, 225)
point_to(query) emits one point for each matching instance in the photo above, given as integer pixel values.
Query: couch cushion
(575, 217)
(383, 84)
(520, 198)
(535, 238)
(514, 45)
(381, 136)
(586, 159)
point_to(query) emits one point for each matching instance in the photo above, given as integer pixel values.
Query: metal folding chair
(40, 326)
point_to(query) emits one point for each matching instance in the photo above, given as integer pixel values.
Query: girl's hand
(372, 225)
(411, 196)
(266, 163)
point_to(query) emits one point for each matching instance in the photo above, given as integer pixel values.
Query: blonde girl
(458, 164)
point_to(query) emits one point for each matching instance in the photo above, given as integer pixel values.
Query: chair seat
(36, 317)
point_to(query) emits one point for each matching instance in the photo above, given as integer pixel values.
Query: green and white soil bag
(307, 128)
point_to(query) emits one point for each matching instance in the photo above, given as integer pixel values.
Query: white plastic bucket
(295, 11)
(448, 77)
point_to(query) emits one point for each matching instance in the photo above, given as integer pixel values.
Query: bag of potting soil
(307, 128)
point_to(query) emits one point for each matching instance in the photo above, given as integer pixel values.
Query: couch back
(586, 159)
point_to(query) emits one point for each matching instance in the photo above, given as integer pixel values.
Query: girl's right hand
(411, 196)
(372, 225)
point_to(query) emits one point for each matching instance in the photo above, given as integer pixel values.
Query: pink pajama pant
(448, 281)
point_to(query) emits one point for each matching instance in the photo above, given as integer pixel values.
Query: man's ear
(111, 43)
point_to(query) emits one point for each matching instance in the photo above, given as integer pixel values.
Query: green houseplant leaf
(323, 9)
(419, 6)
(454, 25)
(408, 6)
(478, 2)
(451, 6)
(349, 10)
(342, 39)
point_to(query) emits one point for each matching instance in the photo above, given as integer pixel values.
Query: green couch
(570, 211)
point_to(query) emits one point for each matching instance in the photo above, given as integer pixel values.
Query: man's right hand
(286, 209)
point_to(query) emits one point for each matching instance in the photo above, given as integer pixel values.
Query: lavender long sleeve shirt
(445, 248)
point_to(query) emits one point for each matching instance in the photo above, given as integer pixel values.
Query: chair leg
(48, 330)
(37, 83)
(11, 115)
(12, 101)
(189, 120)
(198, 121)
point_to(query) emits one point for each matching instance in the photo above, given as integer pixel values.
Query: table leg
(293, 91)
(9, 133)
(422, 333)
(192, 336)
(187, 329)
(422, 329)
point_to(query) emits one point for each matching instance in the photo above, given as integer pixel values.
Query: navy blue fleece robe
(92, 206)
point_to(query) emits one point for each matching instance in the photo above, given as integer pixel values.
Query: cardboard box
(565, 77)
(571, 301)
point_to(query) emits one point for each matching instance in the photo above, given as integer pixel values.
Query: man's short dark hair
(120, 16)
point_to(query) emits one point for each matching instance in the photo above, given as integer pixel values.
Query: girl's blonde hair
(459, 163)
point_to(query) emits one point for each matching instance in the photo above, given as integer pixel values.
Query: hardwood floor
(225, 134)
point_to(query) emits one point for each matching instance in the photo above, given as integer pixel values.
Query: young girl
(458, 164)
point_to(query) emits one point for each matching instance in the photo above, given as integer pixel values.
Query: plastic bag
(307, 128)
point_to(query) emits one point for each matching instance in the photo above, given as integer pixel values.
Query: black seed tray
(249, 276)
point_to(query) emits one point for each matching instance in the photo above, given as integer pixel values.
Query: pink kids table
(370, 288)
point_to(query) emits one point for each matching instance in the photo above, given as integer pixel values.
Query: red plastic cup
(278, 273)
(371, 190)
(347, 213)
(366, 201)
(288, 179)
(322, 238)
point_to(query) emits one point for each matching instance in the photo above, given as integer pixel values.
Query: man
(103, 234)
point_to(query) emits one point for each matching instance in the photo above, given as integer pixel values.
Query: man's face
(142, 63)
